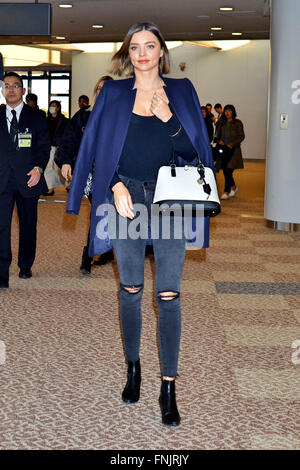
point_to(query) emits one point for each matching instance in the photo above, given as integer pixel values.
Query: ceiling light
(97, 26)
(226, 8)
(60, 37)
(216, 28)
(237, 34)
(65, 5)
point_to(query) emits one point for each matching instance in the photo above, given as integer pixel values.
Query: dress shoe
(167, 401)
(25, 273)
(131, 392)
(104, 258)
(86, 261)
(51, 193)
(3, 283)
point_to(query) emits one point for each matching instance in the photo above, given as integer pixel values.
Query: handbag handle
(200, 169)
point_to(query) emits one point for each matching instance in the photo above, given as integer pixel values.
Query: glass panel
(2, 100)
(64, 101)
(40, 88)
(25, 85)
(60, 86)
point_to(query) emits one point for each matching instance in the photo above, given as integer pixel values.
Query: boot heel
(168, 406)
(131, 392)
(86, 261)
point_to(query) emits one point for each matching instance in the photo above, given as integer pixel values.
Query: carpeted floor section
(239, 387)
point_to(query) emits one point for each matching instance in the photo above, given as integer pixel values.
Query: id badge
(24, 140)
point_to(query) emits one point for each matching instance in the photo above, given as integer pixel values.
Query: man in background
(32, 101)
(83, 101)
(24, 154)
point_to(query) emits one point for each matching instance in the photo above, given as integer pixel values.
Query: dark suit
(15, 163)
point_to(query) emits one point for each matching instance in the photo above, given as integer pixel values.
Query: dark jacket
(23, 160)
(104, 138)
(57, 128)
(233, 131)
(209, 127)
(70, 142)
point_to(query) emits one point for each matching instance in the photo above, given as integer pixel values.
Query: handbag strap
(200, 169)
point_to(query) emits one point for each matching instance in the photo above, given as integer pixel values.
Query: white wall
(238, 76)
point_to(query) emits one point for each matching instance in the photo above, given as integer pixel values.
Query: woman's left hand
(160, 106)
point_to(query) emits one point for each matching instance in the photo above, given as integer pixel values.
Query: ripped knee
(132, 289)
(168, 296)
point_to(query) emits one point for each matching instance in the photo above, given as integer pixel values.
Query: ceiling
(177, 19)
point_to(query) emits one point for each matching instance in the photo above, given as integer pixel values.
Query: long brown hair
(121, 62)
(104, 78)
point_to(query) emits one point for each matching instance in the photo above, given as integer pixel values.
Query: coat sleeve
(70, 143)
(239, 134)
(85, 155)
(43, 144)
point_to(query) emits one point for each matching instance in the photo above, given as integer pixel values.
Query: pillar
(282, 191)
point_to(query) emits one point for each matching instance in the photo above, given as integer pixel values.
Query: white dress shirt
(9, 115)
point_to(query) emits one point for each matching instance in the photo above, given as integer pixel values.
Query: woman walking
(230, 135)
(136, 126)
(57, 123)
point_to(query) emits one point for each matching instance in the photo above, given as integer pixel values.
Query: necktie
(13, 126)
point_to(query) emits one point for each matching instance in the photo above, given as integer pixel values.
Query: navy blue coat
(104, 138)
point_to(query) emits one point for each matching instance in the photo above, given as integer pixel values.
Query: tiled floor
(239, 362)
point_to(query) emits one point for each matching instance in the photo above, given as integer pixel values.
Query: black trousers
(229, 181)
(27, 215)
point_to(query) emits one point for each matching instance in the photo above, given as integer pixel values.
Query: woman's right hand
(122, 200)
(66, 171)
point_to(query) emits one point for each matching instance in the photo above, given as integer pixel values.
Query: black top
(149, 145)
(57, 127)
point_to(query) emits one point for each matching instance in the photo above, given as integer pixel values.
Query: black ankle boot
(131, 392)
(86, 261)
(167, 401)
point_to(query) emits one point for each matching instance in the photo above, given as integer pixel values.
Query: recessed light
(216, 28)
(226, 8)
(65, 5)
(60, 37)
(97, 26)
(237, 34)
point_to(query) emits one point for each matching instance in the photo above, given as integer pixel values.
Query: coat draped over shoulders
(104, 138)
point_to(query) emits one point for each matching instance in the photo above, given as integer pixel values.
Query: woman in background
(231, 134)
(57, 123)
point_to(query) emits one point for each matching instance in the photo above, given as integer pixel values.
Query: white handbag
(192, 188)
